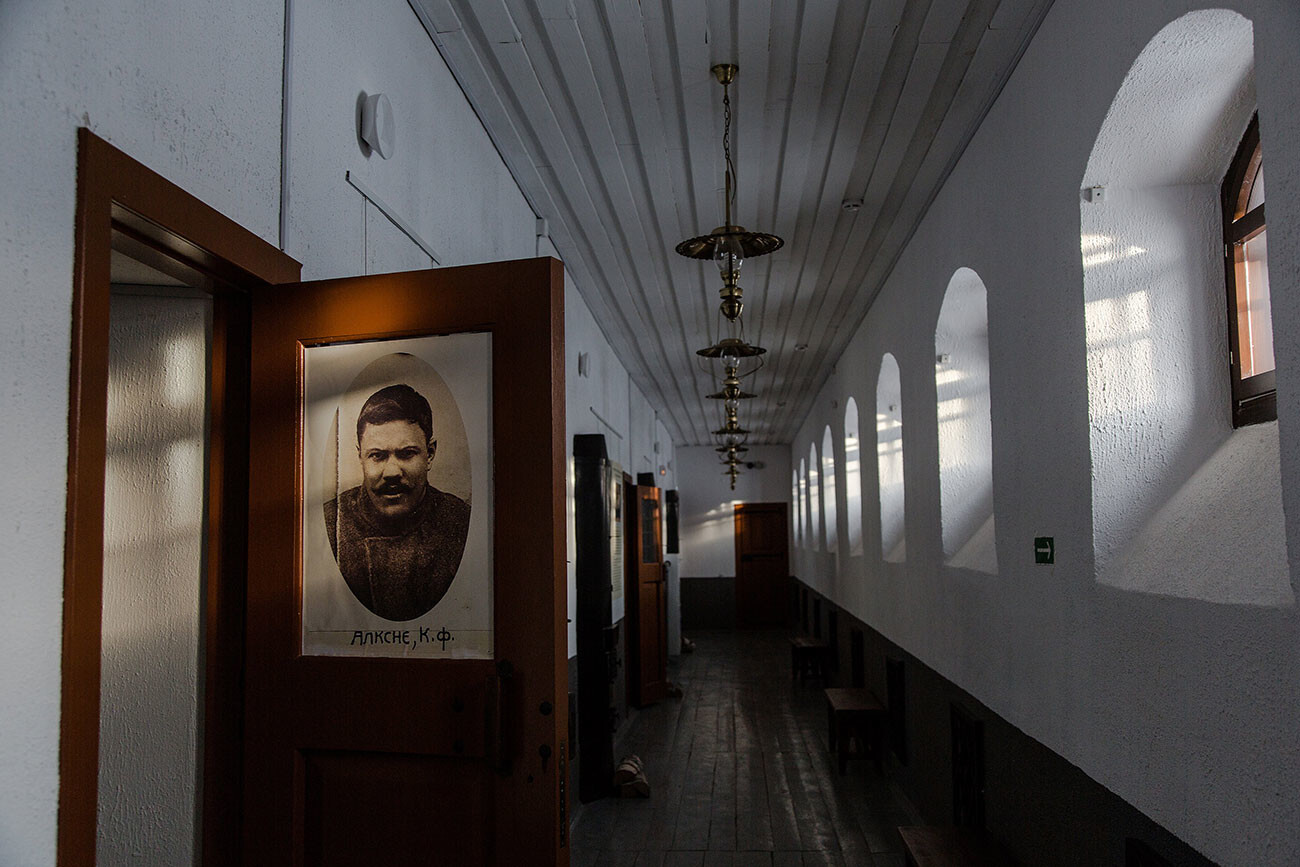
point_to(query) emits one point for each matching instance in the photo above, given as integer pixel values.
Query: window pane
(1254, 314)
(1256, 188)
(649, 530)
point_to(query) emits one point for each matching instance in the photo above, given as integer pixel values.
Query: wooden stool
(809, 657)
(856, 713)
(950, 847)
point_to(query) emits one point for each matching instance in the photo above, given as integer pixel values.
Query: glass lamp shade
(728, 255)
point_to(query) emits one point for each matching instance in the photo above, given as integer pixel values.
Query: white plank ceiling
(607, 115)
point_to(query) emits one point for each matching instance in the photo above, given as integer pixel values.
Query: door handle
(498, 757)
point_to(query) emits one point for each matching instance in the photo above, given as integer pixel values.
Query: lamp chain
(726, 151)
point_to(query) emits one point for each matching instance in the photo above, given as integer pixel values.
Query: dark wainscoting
(1042, 808)
(708, 603)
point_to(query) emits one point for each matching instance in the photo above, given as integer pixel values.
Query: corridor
(740, 774)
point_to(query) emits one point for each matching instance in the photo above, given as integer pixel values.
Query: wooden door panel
(357, 808)
(648, 639)
(762, 564)
(348, 759)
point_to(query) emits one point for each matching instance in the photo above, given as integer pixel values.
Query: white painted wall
(151, 693)
(961, 382)
(854, 455)
(707, 521)
(890, 463)
(831, 471)
(1182, 706)
(606, 402)
(1170, 477)
(444, 177)
(194, 92)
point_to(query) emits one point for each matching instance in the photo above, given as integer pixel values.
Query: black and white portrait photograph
(396, 508)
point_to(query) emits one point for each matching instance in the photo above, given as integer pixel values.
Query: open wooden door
(648, 595)
(406, 679)
(762, 565)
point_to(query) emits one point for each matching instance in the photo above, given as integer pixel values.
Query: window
(814, 502)
(828, 490)
(804, 517)
(853, 478)
(796, 508)
(889, 460)
(1250, 320)
(961, 378)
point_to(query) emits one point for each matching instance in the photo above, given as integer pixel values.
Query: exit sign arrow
(1044, 549)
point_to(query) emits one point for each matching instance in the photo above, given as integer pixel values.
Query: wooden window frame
(1254, 399)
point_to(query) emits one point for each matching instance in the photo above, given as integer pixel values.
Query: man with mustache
(397, 539)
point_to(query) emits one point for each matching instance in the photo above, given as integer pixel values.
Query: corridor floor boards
(740, 774)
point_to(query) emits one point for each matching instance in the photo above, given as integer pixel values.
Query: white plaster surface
(1184, 707)
(191, 89)
(194, 92)
(889, 461)
(606, 402)
(444, 177)
(707, 521)
(961, 377)
(153, 563)
(1235, 495)
(829, 487)
(853, 478)
(1171, 480)
(801, 497)
(796, 509)
(816, 540)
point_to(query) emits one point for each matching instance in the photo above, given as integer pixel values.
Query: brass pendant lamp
(731, 385)
(729, 245)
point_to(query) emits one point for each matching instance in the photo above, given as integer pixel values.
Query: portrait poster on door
(397, 498)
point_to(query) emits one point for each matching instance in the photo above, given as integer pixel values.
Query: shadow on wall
(1182, 504)
(889, 461)
(961, 378)
(852, 478)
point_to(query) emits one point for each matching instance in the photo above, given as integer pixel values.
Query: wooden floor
(740, 774)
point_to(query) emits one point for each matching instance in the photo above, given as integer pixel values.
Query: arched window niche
(828, 491)
(803, 504)
(961, 379)
(1182, 504)
(796, 508)
(814, 502)
(852, 479)
(889, 461)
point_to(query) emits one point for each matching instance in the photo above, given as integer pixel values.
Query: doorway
(155, 547)
(289, 738)
(762, 564)
(138, 230)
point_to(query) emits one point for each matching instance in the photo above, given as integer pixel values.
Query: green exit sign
(1044, 549)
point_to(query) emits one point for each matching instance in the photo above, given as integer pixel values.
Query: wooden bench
(809, 657)
(950, 847)
(856, 715)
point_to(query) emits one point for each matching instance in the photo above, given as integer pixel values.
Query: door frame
(119, 197)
